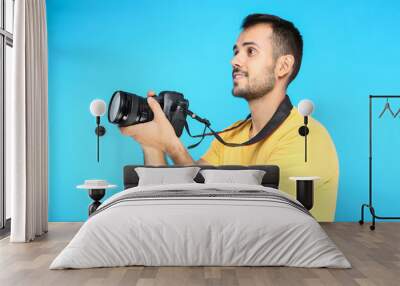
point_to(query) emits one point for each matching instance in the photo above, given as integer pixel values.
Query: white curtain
(26, 124)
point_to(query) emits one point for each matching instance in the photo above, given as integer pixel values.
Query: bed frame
(270, 179)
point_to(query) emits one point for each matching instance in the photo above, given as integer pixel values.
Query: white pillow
(248, 177)
(162, 176)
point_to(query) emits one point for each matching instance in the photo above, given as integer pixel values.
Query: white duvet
(188, 231)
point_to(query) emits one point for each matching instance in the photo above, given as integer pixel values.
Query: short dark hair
(286, 37)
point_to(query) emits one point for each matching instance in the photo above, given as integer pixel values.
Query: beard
(255, 88)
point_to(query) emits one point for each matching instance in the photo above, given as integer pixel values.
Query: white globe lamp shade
(97, 107)
(305, 107)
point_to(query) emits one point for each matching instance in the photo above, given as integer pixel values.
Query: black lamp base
(96, 195)
(305, 193)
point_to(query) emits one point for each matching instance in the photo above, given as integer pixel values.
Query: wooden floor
(374, 255)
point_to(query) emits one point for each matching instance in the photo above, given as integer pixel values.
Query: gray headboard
(270, 179)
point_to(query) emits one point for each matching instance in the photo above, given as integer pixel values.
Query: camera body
(127, 109)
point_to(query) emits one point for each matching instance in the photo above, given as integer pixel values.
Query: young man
(267, 57)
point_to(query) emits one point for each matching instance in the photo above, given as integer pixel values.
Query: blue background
(96, 47)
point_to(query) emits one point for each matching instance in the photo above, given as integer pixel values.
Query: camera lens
(115, 110)
(127, 109)
(124, 109)
(144, 113)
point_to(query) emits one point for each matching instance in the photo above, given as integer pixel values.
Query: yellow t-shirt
(285, 148)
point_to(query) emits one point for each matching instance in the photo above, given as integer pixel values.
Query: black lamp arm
(100, 131)
(303, 131)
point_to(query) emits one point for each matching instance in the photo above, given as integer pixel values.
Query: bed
(201, 224)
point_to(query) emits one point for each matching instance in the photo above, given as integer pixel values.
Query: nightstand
(305, 190)
(97, 190)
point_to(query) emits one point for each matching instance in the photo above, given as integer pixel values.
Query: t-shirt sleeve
(213, 154)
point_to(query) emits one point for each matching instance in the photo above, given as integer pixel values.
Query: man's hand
(157, 133)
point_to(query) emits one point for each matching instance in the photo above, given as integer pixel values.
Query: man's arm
(159, 138)
(153, 156)
(181, 156)
(156, 157)
(202, 162)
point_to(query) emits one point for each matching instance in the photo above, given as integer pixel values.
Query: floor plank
(374, 255)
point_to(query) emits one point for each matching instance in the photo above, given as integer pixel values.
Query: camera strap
(277, 119)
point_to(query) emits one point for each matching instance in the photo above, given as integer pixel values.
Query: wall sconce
(97, 109)
(305, 108)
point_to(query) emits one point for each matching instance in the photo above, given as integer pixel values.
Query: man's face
(253, 63)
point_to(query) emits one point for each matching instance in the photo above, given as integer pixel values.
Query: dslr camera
(127, 109)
